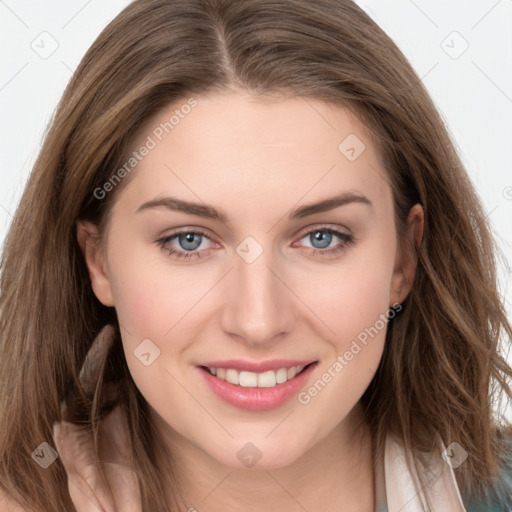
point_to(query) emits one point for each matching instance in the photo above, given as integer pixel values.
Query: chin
(258, 455)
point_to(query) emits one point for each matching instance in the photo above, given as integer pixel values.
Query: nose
(258, 306)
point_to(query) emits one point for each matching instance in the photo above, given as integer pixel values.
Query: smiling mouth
(268, 379)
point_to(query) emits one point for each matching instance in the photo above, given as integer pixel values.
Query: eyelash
(347, 241)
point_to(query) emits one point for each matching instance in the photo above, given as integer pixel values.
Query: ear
(407, 256)
(93, 252)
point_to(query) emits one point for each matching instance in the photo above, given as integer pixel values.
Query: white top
(398, 490)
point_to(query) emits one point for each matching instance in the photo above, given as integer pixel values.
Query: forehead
(239, 149)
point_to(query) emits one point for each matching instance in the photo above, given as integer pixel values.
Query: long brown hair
(441, 371)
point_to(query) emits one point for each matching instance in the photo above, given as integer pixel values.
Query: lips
(256, 386)
(257, 366)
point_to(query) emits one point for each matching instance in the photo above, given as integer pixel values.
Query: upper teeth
(260, 380)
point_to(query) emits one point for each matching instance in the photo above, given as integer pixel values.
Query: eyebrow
(209, 212)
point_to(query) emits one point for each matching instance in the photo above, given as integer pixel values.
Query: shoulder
(500, 497)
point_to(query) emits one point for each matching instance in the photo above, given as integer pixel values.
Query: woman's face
(216, 256)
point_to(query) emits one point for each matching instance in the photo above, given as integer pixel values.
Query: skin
(256, 159)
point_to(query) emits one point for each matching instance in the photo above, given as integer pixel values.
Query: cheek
(149, 314)
(156, 317)
(147, 301)
(355, 308)
(351, 297)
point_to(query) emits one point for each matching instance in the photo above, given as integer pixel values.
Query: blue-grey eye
(189, 241)
(322, 237)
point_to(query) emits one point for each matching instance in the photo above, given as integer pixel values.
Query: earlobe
(407, 256)
(92, 251)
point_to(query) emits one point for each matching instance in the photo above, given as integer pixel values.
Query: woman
(254, 215)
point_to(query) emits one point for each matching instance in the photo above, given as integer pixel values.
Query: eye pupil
(323, 237)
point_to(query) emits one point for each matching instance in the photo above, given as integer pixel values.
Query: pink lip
(254, 398)
(256, 366)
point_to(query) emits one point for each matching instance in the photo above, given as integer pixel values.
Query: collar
(396, 489)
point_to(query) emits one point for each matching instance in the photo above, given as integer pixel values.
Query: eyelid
(186, 230)
(300, 234)
(319, 227)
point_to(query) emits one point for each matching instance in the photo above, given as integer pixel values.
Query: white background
(473, 91)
